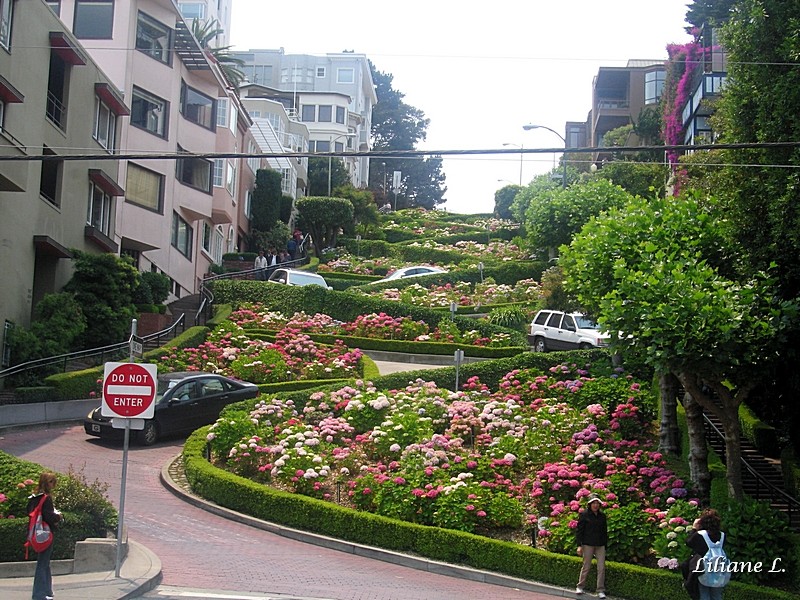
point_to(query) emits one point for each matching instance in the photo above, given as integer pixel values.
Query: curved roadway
(203, 551)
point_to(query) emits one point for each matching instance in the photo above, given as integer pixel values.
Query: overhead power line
(104, 156)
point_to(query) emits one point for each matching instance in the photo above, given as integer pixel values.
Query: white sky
(478, 70)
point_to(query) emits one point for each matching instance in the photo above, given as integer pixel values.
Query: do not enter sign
(129, 390)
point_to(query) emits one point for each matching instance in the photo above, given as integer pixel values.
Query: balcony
(56, 111)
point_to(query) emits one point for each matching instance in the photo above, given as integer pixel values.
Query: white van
(297, 277)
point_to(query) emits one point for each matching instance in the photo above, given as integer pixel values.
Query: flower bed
(497, 463)
(374, 325)
(462, 293)
(293, 355)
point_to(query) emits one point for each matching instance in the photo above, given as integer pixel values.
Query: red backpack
(39, 534)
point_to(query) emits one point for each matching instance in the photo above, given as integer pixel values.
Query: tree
(556, 214)
(103, 286)
(711, 12)
(265, 206)
(324, 217)
(365, 211)
(206, 32)
(539, 184)
(503, 199)
(644, 270)
(318, 175)
(637, 178)
(400, 126)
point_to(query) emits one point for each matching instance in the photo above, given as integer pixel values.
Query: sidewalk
(140, 572)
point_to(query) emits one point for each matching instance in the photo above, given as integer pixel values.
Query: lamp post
(385, 195)
(330, 156)
(521, 154)
(563, 139)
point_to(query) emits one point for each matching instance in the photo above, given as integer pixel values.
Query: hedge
(405, 346)
(324, 518)
(343, 306)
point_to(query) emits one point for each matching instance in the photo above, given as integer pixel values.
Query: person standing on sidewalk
(592, 537)
(43, 578)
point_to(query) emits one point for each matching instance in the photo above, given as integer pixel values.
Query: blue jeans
(43, 579)
(709, 593)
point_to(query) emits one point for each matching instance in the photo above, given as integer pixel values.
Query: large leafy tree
(397, 125)
(554, 215)
(645, 270)
(318, 175)
(503, 199)
(324, 217)
(365, 211)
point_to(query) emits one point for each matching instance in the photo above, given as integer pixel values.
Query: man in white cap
(592, 537)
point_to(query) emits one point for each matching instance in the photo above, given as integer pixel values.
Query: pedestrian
(261, 265)
(43, 578)
(710, 522)
(592, 537)
(291, 247)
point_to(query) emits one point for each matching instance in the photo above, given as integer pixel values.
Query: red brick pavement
(202, 550)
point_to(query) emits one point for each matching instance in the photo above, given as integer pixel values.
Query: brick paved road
(201, 550)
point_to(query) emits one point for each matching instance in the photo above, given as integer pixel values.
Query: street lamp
(330, 156)
(564, 159)
(521, 154)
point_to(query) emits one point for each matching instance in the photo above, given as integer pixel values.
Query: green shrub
(763, 436)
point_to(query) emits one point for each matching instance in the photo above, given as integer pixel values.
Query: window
(144, 187)
(323, 146)
(653, 86)
(217, 244)
(94, 19)
(219, 171)
(321, 72)
(6, 13)
(50, 182)
(55, 6)
(297, 75)
(230, 184)
(149, 112)
(194, 172)
(206, 240)
(153, 38)
(197, 107)
(345, 76)
(222, 112)
(192, 10)
(286, 181)
(340, 114)
(182, 236)
(338, 146)
(105, 125)
(99, 213)
(258, 73)
(231, 233)
(248, 204)
(56, 108)
(325, 112)
(554, 320)
(253, 161)
(309, 113)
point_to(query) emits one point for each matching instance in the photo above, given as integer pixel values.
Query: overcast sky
(478, 70)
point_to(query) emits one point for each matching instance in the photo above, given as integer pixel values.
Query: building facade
(332, 94)
(55, 101)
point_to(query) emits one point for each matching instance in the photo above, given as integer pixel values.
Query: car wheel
(584, 346)
(539, 345)
(149, 435)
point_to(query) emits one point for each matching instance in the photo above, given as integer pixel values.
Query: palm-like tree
(206, 32)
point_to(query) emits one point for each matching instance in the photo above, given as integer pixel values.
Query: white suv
(297, 277)
(555, 330)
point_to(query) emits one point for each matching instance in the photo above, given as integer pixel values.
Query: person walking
(592, 537)
(43, 578)
(261, 264)
(709, 522)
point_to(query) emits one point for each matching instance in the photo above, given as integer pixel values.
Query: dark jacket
(592, 528)
(49, 514)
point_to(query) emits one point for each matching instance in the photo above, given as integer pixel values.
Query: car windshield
(164, 385)
(306, 279)
(585, 322)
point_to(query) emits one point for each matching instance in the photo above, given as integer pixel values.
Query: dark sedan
(184, 402)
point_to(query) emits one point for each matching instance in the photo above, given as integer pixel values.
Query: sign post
(129, 391)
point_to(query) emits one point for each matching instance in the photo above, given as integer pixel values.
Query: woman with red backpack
(43, 578)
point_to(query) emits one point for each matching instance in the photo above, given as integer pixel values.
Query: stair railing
(771, 492)
(96, 355)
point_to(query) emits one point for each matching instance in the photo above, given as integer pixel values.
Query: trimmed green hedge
(343, 306)
(516, 560)
(763, 436)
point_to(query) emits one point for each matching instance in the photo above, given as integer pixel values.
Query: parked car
(184, 402)
(297, 277)
(414, 271)
(555, 330)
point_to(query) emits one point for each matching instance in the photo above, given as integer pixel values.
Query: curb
(174, 468)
